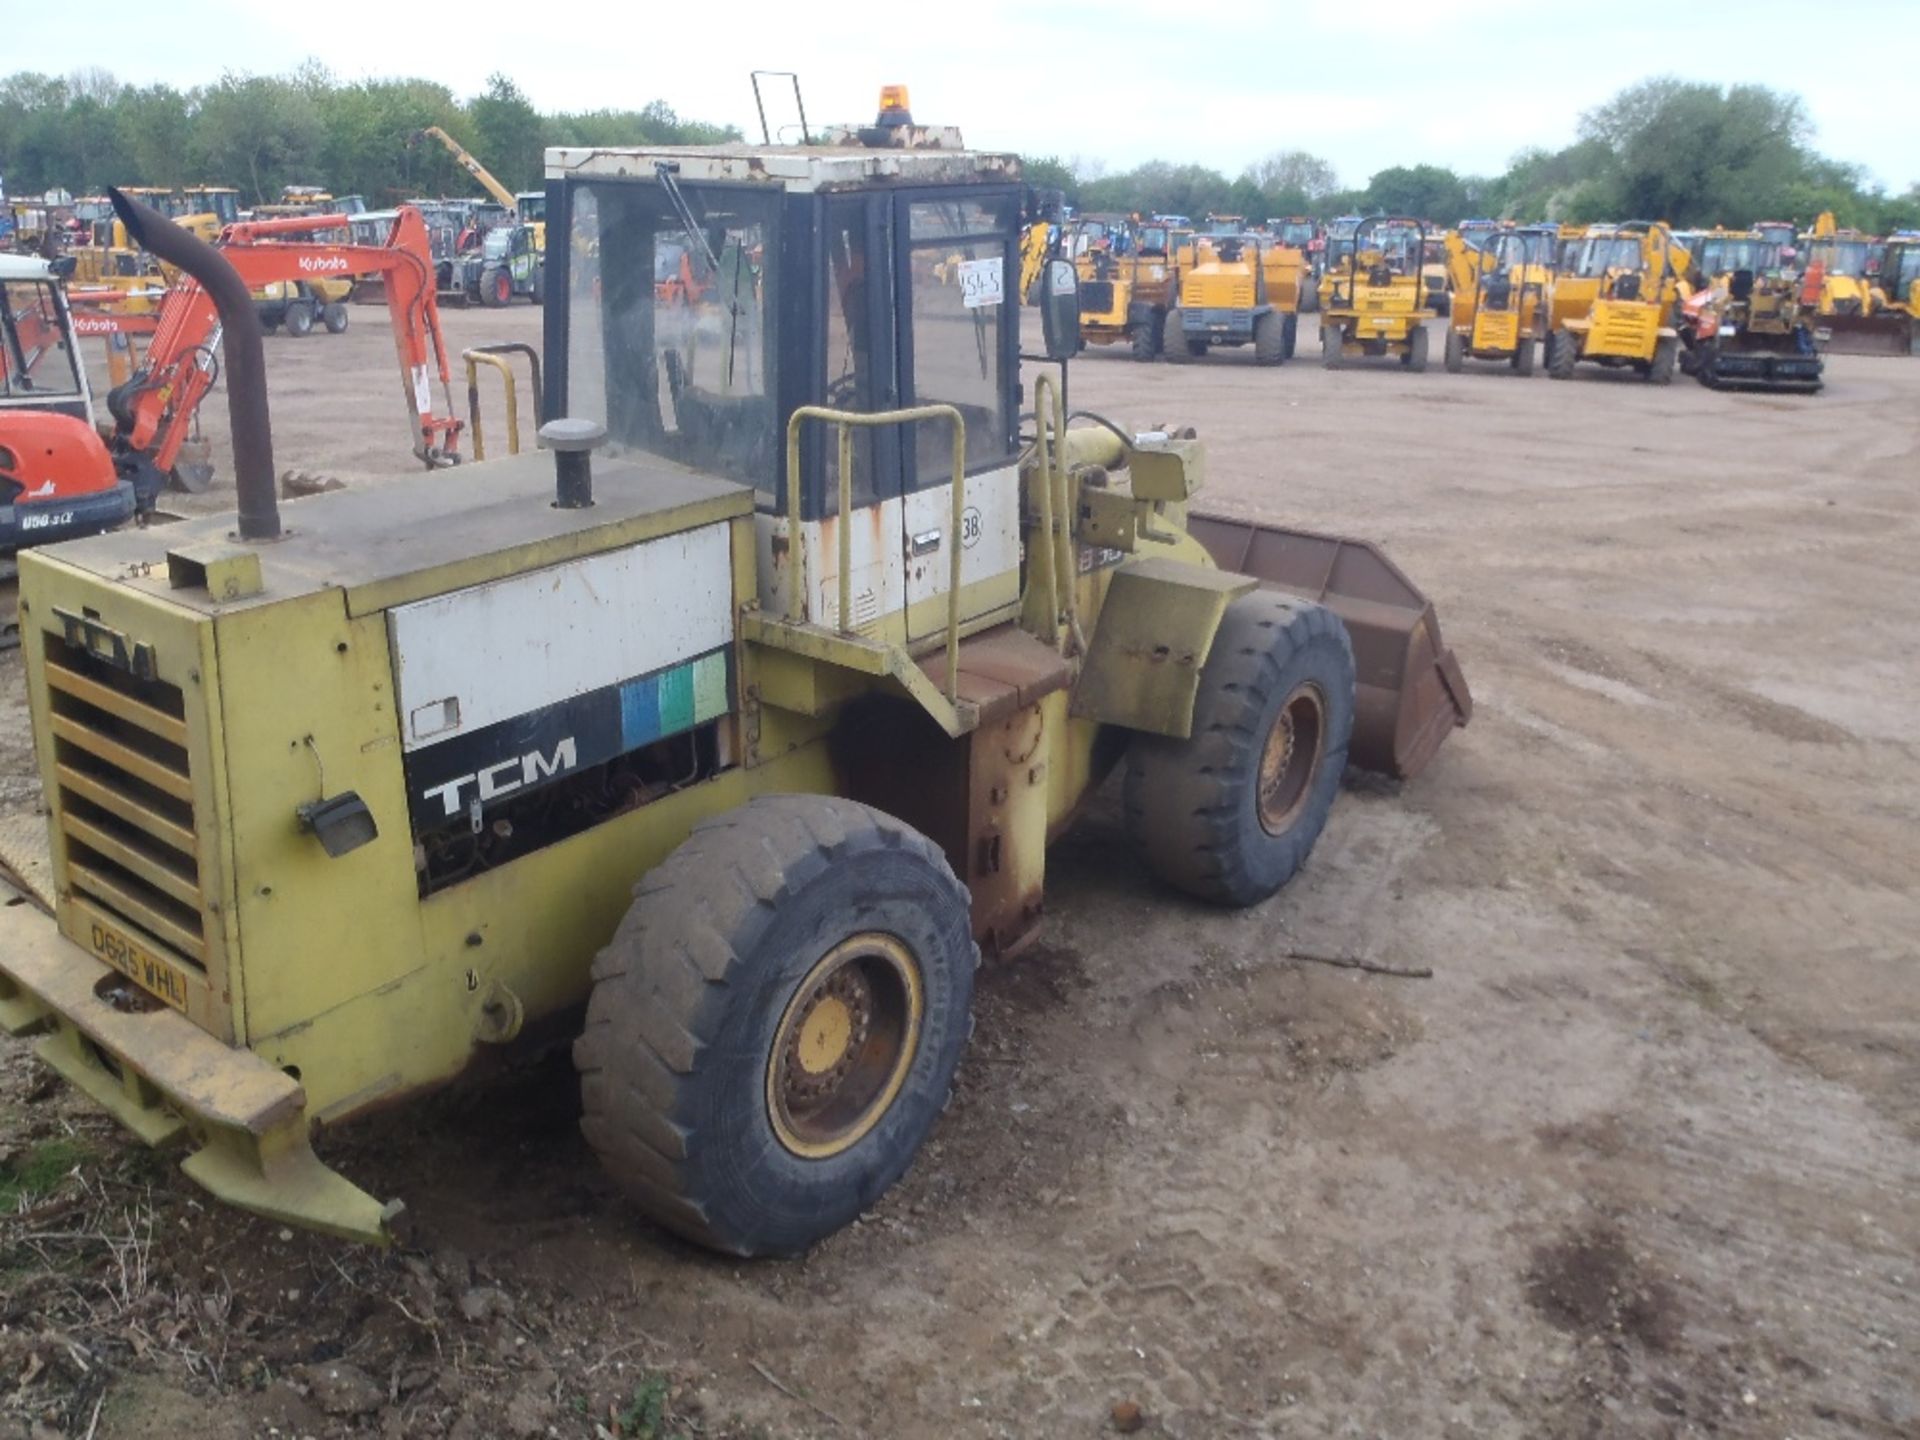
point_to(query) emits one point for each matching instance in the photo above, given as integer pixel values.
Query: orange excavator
(153, 411)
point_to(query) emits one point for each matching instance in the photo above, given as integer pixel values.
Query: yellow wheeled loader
(1835, 265)
(1239, 289)
(1631, 276)
(1502, 289)
(1896, 299)
(1375, 302)
(1852, 320)
(719, 738)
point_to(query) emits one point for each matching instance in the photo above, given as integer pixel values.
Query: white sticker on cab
(981, 283)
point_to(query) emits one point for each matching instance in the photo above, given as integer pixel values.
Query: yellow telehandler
(1375, 302)
(1630, 275)
(719, 738)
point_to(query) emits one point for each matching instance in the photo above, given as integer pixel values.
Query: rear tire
(1665, 353)
(1331, 346)
(1455, 353)
(774, 1027)
(496, 289)
(1416, 357)
(1269, 338)
(334, 317)
(1562, 355)
(1290, 334)
(1523, 357)
(299, 318)
(1231, 813)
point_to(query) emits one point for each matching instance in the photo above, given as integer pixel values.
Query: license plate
(139, 964)
(1382, 322)
(1823, 334)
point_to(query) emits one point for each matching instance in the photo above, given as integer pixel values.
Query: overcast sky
(1366, 85)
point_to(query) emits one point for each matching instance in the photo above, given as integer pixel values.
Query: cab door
(957, 339)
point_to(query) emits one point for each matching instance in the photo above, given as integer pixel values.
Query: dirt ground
(1639, 1160)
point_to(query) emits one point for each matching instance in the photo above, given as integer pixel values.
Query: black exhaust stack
(245, 359)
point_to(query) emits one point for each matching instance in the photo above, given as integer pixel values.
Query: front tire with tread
(1146, 337)
(1416, 356)
(1269, 338)
(1196, 809)
(695, 989)
(1174, 348)
(1562, 355)
(1665, 354)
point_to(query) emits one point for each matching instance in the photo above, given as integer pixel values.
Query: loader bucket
(1409, 692)
(1885, 332)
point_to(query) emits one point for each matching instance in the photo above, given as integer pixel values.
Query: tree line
(85, 131)
(1693, 154)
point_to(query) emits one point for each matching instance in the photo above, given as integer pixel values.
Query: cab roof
(24, 267)
(932, 157)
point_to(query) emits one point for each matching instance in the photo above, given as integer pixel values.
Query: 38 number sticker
(969, 527)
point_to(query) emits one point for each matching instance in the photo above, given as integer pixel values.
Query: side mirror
(1060, 310)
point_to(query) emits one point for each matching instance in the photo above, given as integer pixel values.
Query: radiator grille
(125, 799)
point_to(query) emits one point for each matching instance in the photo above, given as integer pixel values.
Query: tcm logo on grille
(490, 782)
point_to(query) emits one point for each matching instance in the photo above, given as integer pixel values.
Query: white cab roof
(24, 267)
(794, 167)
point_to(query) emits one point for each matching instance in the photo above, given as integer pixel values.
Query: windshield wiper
(666, 170)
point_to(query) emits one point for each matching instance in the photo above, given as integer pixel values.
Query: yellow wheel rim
(1290, 759)
(844, 1045)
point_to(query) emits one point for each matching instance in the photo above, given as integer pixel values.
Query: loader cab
(853, 278)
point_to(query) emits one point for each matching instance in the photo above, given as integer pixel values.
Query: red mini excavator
(153, 411)
(57, 477)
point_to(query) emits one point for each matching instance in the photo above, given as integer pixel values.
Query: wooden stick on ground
(1354, 962)
(792, 1394)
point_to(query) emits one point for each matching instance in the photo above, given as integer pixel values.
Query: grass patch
(646, 1416)
(38, 1171)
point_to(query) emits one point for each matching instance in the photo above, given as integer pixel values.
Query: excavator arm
(154, 410)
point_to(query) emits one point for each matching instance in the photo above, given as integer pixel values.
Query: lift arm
(154, 410)
(473, 167)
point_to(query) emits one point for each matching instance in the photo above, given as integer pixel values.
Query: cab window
(34, 359)
(958, 312)
(670, 330)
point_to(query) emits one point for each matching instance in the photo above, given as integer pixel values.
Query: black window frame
(799, 310)
(1008, 232)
